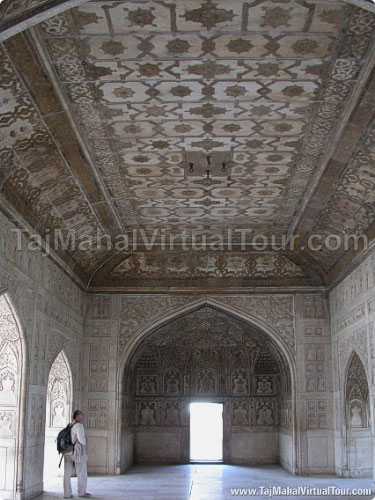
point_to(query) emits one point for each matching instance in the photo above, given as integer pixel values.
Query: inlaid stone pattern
(264, 82)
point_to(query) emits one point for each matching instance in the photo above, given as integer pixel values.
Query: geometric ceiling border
(29, 17)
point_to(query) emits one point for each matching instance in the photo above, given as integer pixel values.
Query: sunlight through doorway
(206, 432)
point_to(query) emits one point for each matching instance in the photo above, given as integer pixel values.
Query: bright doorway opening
(206, 432)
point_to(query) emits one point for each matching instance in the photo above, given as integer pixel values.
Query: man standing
(77, 458)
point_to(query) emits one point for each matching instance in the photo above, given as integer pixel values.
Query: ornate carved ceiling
(103, 105)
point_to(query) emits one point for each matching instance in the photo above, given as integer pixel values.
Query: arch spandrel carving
(137, 313)
(354, 343)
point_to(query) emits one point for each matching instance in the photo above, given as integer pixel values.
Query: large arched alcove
(357, 417)
(58, 412)
(207, 354)
(12, 400)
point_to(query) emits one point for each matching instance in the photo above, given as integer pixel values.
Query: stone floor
(207, 482)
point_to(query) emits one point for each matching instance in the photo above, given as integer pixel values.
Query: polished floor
(211, 482)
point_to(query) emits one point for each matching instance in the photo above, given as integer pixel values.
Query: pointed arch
(13, 370)
(357, 418)
(348, 360)
(149, 328)
(356, 391)
(59, 388)
(59, 399)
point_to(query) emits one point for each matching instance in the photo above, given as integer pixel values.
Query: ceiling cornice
(307, 211)
(363, 4)
(13, 215)
(77, 132)
(30, 17)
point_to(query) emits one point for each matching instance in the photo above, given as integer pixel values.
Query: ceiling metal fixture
(208, 166)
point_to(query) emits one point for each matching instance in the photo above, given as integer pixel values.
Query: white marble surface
(201, 482)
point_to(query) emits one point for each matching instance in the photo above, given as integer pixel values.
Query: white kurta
(77, 460)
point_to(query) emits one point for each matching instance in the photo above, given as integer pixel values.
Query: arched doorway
(357, 409)
(58, 413)
(207, 354)
(12, 400)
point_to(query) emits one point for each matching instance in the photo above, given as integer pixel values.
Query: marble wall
(48, 308)
(299, 324)
(352, 332)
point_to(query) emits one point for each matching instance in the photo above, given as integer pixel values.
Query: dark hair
(76, 413)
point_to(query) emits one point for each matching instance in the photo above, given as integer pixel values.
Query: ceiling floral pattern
(264, 84)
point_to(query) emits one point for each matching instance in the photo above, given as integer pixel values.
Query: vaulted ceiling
(104, 106)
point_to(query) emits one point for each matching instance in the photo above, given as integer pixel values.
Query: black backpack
(64, 440)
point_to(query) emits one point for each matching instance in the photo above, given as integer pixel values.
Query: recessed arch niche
(357, 409)
(12, 400)
(58, 411)
(207, 354)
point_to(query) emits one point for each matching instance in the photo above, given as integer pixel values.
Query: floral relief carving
(10, 369)
(277, 311)
(59, 392)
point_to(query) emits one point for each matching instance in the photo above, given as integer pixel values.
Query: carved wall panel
(99, 368)
(286, 420)
(372, 353)
(100, 307)
(314, 331)
(315, 369)
(37, 415)
(40, 356)
(172, 383)
(313, 307)
(240, 382)
(316, 414)
(97, 415)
